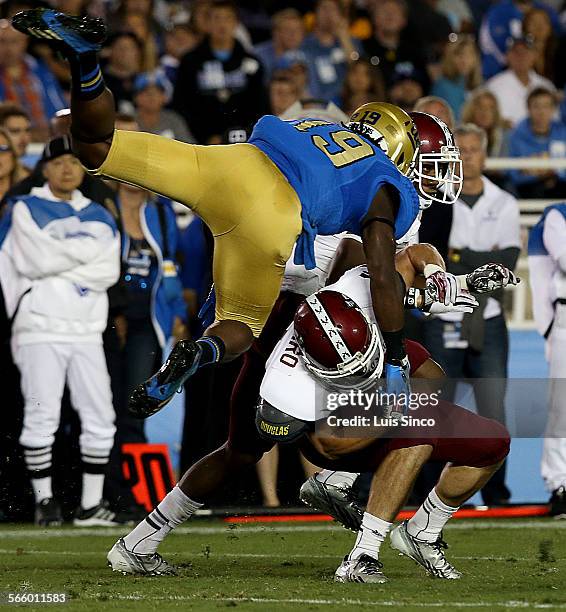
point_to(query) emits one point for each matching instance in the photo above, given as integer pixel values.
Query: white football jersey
(299, 280)
(287, 384)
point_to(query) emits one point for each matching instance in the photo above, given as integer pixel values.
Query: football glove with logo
(489, 277)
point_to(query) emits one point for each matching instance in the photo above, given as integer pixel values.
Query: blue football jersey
(336, 174)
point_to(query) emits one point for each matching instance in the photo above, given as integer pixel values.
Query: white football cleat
(429, 555)
(120, 559)
(363, 569)
(338, 501)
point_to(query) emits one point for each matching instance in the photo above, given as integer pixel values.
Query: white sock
(336, 478)
(92, 490)
(41, 488)
(370, 536)
(175, 509)
(430, 518)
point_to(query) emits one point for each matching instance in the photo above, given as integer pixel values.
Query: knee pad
(276, 426)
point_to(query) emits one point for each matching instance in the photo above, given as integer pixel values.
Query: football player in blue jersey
(290, 182)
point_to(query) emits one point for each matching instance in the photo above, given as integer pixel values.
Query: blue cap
(290, 58)
(156, 78)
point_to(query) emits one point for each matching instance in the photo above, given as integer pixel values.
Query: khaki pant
(252, 211)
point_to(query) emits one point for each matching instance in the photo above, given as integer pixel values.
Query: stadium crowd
(204, 71)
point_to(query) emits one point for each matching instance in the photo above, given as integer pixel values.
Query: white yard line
(267, 528)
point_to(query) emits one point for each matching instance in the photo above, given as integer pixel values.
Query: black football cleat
(558, 503)
(155, 393)
(48, 513)
(67, 34)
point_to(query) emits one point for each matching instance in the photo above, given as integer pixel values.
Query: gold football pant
(251, 209)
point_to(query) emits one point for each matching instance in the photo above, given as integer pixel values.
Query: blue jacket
(523, 142)
(167, 295)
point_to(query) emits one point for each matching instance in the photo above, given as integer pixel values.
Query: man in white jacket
(59, 256)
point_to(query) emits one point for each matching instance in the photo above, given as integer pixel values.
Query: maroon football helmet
(438, 174)
(339, 344)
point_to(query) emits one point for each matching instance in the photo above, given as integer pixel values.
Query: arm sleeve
(37, 255)
(554, 237)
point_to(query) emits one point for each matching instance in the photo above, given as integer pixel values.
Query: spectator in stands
(391, 44)
(288, 32)
(438, 107)
(329, 49)
(503, 21)
(358, 19)
(26, 81)
(482, 109)
(63, 251)
(155, 309)
(152, 91)
(539, 135)
(297, 70)
(144, 8)
(179, 40)
(219, 79)
(200, 19)
(406, 86)
(15, 121)
(9, 165)
(485, 228)
(125, 60)
(461, 73)
(512, 86)
(550, 50)
(282, 94)
(140, 25)
(363, 83)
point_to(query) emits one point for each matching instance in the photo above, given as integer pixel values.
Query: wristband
(412, 298)
(395, 349)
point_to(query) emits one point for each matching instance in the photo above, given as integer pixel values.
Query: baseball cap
(406, 71)
(290, 58)
(156, 78)
(57, 147)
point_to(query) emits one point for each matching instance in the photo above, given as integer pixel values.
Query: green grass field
(506, 564)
